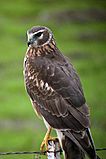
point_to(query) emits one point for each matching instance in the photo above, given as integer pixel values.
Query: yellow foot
(47, 138)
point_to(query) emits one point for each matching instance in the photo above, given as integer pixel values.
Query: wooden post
(54, 148)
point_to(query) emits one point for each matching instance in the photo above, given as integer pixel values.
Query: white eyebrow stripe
(39, 31)
(30, 35)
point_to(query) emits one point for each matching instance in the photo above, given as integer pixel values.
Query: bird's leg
(46, 139)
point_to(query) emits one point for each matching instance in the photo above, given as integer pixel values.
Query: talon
(45, 141)
(44, 144)
(52, 138)
(47, 138)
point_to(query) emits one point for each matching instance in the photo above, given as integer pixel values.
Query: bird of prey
(56, 94)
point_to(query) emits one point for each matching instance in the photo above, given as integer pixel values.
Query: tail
(71, 150)
(75, 145)
(92, 150)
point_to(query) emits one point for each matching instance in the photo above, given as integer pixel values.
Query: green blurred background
(79, 28)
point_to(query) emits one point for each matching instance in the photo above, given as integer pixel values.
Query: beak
(30, 42)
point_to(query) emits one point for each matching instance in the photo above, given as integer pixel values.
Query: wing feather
(63, 103)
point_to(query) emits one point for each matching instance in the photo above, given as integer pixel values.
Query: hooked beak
(30, 42)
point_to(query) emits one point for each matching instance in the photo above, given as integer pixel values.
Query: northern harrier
(56, 94)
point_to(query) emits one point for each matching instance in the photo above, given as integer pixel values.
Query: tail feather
(75, 145)
(71, 150)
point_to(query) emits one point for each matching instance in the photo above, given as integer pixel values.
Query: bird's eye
(38, 34)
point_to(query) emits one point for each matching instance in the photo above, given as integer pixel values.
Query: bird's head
(39, 36)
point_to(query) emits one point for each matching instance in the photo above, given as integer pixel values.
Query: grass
(88, 57)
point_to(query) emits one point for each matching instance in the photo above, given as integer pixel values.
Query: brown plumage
(56, 94)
